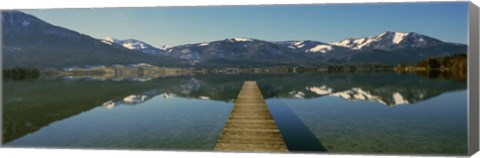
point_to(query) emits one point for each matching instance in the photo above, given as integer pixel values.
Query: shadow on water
(296, 135)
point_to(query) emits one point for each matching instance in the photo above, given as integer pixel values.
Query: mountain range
(32, 42)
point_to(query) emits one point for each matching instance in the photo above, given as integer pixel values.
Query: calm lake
(319, 112)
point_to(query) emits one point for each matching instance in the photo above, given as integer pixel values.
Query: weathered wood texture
(250, 126)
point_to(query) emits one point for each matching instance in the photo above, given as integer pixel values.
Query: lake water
(336, 113)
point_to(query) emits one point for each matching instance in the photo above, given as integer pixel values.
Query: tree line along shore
(454, 65)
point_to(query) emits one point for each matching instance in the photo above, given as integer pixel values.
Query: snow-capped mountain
(395, 48)
(316, 50)
(32, 42)
(134, 44)
(359, 94)
(238, 51)
(110, 40)
(240, 39)
(389, 40)
(55, 46)
(310, 46)
(241, 51)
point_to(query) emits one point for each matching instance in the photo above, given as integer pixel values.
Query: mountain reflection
(30, 105)
(396, 89)
(135, 99)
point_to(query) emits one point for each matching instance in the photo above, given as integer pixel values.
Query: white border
(81, 153)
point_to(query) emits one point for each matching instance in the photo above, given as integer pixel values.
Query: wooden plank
(250, 126)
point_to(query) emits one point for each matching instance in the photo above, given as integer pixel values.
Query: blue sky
(322, 22)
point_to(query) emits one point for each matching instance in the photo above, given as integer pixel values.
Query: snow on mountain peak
(129, 43)
(322, 48)
(134, 44)
(308, 46)
(110, 39)
(240, 39)
(399, 37)
(299, 44)
(204, 44)
(387, 39)
(354, 43)
(294, 44)
(394, 37)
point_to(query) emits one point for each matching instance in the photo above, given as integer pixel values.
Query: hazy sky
(325, 22)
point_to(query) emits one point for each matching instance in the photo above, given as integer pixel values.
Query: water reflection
(33, 105)
(159, 123)
(436, 126)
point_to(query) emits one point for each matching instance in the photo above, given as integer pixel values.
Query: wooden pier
(250, 126)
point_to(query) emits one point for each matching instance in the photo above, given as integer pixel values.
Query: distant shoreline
(449, 67)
